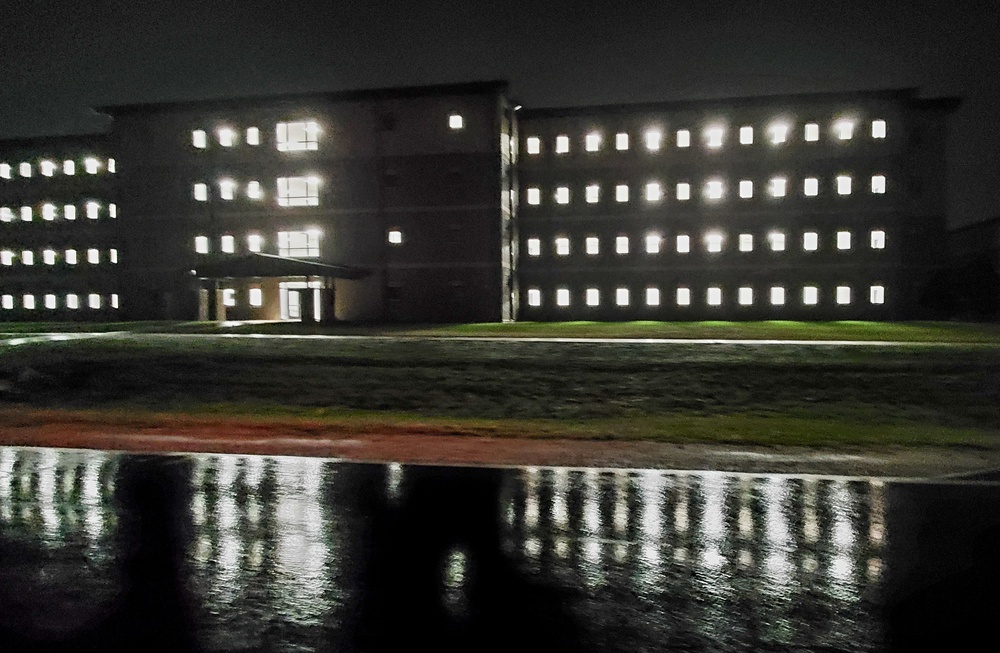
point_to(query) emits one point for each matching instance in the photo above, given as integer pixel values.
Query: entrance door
(291, 298)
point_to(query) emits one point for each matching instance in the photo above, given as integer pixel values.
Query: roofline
(495, 86)
(55, 139)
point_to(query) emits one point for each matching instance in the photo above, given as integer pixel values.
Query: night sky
(57, 57)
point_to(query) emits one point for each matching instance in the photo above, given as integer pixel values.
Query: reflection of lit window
(534, 247)
(683, 296)
(810, 241)
(714, 296)
(843, 295)
(593, 193)
(562, 297)
(562, 246)
(745, 296)
(876, 294)
(878, 239)
(534, 196)
(534, 297)
(297, 136)
(621, 296)
(297, 244)
(593, 297)
(533, 145)
(878, 129)
(592, 142)
(298, 191)
(878, 184)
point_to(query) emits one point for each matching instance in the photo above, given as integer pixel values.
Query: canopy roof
(269, 265)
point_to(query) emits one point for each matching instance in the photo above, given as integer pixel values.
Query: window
(810, 241)
(562, 144)
(455, 121)
(621, 245)
(592, 142)
(113, 255)
(534, 196)
(812, 132)
(228, 297)
(47, 168)
(255, 242)
(777, 296)
(114, 300)
(878, 129)
(29, 302)
(254, 191)
(5, 173)
(810, 295)
(621, 296)
(843, 295)
(878, 184)
(6, 214)
(298, 191)
(227, 137)
(26, 213)
(746, 135)
(876, 294)
(777, 241)
(878, 239)
(593, 245)
(94, 300)
(744, 296)
(27, 257)
(201, 244)
(534, 297)
(843, 240)
(533, 145)
(810, 187)
(8, 302)
(201, 192)
(653, 192)
(24, 170)
(228, 244)
(746, 189)
(297, 136)
(91, 165)
(227, 189)
(93, 256)
(49, 257)
(562, 297)
(534, 247)
(683, 244)
(653, 139)
(48, 212)
(621, 141)
(746, 242)
(112, 210)
(253, 136)
(777, 186)
(844, 129)
(593, 297)
(69, 167)
(6, 257)
(713, 242)
(298, 244)
(562, 246)
(778, 132)
(683, 191)
(653, 241)
(652, 296)
(714, 136)
(714, 296)
(621, 193)
(71, 257)
(714, 190)
(199, 139)
(593, 193)
(73, 301)
(256, 297)
(69, 212)
(683, 138)
(93, 210)
(843, 185)
(562, 195)
(683, 296)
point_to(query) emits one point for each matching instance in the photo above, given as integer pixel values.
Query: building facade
(449, 204)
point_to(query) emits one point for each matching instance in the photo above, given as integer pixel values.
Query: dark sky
(59, 57)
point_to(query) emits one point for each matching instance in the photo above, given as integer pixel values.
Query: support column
(328, 302)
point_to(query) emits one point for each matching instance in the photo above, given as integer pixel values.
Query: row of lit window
(714, 242)
(713, 136)
(745, 296)
(292, 191)
(713, 189)
(255, 297)
(51, 256)
(46, 168)
(51, 212)
(51, 301)
(294, 244)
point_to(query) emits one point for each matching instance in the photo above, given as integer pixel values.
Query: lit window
(255, 242)
(653, 192)
(47, 168)
(93, 210)
(113, 255)
(49, 257)
(878, 184)
(227, 137)
(256, 297)
(878, 239)
(683, 191)
(48, 212)
(227, 189)
(533, 145)
(777, 186)
(844, 129)
(69, 167)
(778, 132)
(746, 189)
(843, 240)
(653, 243)
(621, 193)
(50, 301)
(843, 295)
(253, 136)
(228, 244)
(810, 241)
(713, 190)
(5, 173)
(28, 302)
(455, 121)
(653, 139)
(26, 213)
(843, 185)
(593, 193)
(683, 296)
(24, 170)
(713, 136)
(746, 242)
(593, 142)
(593, 297)
(93, 256)
(683, 138)
(878, 129)
(72, 301)
(297, 136)
(562, 144)
(621, 296)
(621, 141)
(69, 212)
(714, 296)
(201, 244)
(254, 191)
(562, 195)
(812, 132)
(298, 244)
(810, 187)
(534, 196)
(6, 214)
(71, 257)
(201, 192)
(810, 295)
(876, 294)
(7, 302)
(27, 257)
(91, 165)
(534, 297)
(777, 241)
(112, 210)
(713, 242)
(593, 245)
(621, 245)
(114, 300)
(298, 191)
(228, 297)
(652, 296)
(777, 296)
(562, 297)
(745, 296)
(534, 247)
(562, 246)
(683, 244)
(6, 257)
(746, 135)
(199, 139)
(94, 300)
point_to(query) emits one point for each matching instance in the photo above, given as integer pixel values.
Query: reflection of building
(446, 203)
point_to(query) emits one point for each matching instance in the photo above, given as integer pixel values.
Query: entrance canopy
(269, 265)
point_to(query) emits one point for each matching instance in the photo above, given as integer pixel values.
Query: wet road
(105, 551)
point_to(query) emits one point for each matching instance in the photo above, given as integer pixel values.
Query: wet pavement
(108, 551)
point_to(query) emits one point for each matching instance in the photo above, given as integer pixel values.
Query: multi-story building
(447, 203)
